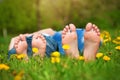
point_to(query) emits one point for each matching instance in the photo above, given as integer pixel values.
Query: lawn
(66, 69)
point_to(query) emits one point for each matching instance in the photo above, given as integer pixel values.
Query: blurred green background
(26, 16)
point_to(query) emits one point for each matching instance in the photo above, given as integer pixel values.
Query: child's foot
(69, 37)
(21, 45)
(92, 41)
(39, 42)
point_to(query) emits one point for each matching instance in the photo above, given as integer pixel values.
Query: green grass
(67, 69)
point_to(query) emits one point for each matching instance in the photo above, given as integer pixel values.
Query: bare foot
(39, 42)
(21, 45)
(92, 41)
(69, 37)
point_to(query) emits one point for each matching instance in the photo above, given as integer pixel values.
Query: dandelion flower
(118, 38)
(66, 46)
(19, 75)
(52, 59)
(81, 58)
(117, 47)
(106, 58)
(21, 56)
(55, 54)
(98, 55)
(105, 36)
(57, 59)
(3, 66)
(35, 50)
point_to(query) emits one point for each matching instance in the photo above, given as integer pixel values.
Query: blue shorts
(80, 34)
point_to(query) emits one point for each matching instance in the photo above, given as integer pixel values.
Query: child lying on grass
(47, 41)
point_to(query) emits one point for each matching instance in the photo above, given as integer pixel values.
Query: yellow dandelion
(116, 41)
(4, 67)
(19, 75)
(118, 38)
(105, 36)
(55, 54)
(35, 50)
(81, 58)
(66, 46)
(106, 40)
(106, 58)
(52, 60)
(117, 47)
(101, 36)
(98, 55)
(20, 56)
(57, 59)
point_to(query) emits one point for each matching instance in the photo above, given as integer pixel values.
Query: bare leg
(39, 42)
(12, 42)
(48, 31)
(92, 41)
(69, 37)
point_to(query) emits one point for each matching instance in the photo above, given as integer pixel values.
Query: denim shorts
(54, 43)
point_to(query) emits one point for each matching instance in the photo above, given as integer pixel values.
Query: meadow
(105, 67)
(21, 16)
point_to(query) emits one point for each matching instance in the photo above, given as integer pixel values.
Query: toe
(88, 27)
(72, 27)
(43, 39)
(16, 46)
(22, 37)
(96, 29)
(17, 40)
(98, 33)
(34, 36)
(66, 29)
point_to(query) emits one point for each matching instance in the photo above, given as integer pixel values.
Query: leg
(69, 37)
(12, 42)
(92, 41)
(48, 31)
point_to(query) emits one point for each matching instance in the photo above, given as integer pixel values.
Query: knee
(50, 29)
